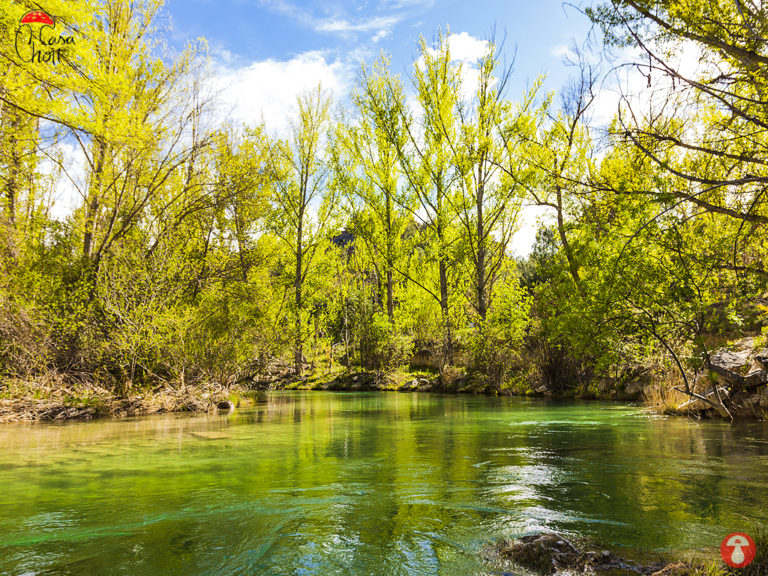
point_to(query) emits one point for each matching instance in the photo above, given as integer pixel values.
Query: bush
(382, 348)
(494, 343)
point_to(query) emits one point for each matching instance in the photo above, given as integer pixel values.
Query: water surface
(366, 484)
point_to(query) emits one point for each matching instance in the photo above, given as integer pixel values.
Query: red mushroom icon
(738, 550)
(36, 17)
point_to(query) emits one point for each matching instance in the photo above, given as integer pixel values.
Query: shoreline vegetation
(376, 235)
(741, 371)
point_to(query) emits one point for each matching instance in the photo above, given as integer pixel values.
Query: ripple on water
(365, 484)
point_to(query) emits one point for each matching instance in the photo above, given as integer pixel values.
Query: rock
(605, 384)
(733, 376)
(751, 401)
(210, 435)
(552, 553)
(547, 553)
(679, 569)
(755, 378)
(729, 360)
(410, 386)
(633, 389)
(764, 398)
(744, 366)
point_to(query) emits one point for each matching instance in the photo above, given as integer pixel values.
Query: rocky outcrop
(734, 381)
(744, 368)
(554, 554)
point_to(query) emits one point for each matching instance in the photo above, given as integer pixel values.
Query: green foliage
(496, 343)
(219, 255)
(382, 348)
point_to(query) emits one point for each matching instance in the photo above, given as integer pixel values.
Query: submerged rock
(210, 435)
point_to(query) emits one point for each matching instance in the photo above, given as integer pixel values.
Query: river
(383, 484)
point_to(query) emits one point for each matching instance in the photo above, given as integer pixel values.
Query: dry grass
(665, 399)
(56, 398)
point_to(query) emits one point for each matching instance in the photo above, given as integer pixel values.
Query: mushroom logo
(37, 42)
(738, 550)
(36, 17)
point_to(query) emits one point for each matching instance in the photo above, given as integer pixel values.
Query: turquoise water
(367, 484)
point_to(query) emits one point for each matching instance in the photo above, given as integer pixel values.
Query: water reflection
(321, 483)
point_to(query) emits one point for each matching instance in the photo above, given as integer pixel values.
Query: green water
(366, 484)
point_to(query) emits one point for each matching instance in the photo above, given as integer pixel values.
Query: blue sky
(278, 29)
(265, 52)
(243, 32)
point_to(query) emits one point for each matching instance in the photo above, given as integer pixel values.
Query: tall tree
(302, 202)
(368, 168)
(558, 146)
(489, 199)
(419, 137)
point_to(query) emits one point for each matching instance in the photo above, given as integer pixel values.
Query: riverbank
(30, 402)
(732, 384)
(35, 401)
(58, 401)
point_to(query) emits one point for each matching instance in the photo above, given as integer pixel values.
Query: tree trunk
(298, 353)
(447, 336)
(240, 243)
(482, 304)
(15, 172)
(390, 292)
(10, 204)
(94, 200)
(573, 269)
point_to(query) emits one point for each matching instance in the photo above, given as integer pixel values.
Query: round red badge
(738, 550)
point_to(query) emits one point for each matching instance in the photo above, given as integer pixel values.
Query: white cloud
(380, 35)
(464, 48)
(530, 220)
(340, 23)
(66, 179)
(563, 52)
(267, 89)
(380, 23)
(629, 82)
(397, 4)
(467, 48)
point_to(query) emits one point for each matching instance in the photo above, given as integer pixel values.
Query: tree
(367, 167)
(708, 128)
(424, 157)
(299, 171)
(478, 134)
(704, 132)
